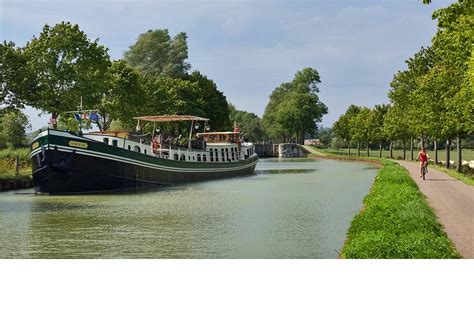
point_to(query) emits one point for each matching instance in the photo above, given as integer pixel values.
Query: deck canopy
(166, 118)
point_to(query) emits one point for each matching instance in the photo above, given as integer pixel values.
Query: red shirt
(422, 157)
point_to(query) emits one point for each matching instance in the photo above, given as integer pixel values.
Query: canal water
(288, 209)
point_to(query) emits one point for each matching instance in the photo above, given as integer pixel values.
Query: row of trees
(61, 66)
(433, 98)
(363, 125)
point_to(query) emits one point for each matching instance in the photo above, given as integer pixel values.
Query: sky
(250, 47)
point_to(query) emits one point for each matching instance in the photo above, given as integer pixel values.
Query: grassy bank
(467, 154)
(396, 222)
(466, 178)
(7, 164)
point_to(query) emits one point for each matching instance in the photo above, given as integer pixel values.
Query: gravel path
(453, 202)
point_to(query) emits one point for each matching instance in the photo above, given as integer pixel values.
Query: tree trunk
(404, 151)
(459, 154)
(423, 141)
(358, 149)
(435, 152)
(380, 150)
(368, 149)
(448, 153)
(411, 150)
(349, 146)
(391, 149)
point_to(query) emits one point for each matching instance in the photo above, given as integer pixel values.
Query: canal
(288, 209)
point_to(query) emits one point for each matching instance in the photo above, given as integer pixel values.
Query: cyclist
(423, 159)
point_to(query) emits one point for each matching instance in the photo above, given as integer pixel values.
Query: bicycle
(424, 170)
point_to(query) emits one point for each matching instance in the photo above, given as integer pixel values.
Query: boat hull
(88, 166)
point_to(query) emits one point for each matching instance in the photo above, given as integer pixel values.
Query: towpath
(453, 202)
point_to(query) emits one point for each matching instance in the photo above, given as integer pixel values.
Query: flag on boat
(94, 116)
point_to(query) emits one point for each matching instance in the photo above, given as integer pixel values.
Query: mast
(190, 134)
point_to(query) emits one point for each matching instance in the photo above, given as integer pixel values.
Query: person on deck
(423, 159)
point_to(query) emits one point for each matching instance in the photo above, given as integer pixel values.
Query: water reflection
(283, 171)
(290, 209)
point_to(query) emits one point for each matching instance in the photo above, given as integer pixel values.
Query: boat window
(198, 157)
(222, 155)
(204, 157)
(176, 157)
(211, 155)
(227, 155)
(129, 147)
(114, 142)
(233, 153)
(182, 157)
(217, 154)
(144, 151)
(136, 149)
(106, 141)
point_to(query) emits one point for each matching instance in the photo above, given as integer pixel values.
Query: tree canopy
(64, 66)
(249, 124)
(13, 125)
(156, 53)
(294, 108)
(433, 97)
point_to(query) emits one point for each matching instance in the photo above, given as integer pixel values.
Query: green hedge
(396, 222)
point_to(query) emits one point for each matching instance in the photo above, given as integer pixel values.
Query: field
(467, 154)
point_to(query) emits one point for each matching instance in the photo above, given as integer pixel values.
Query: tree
(420, 104)
(16, 82)
(156, 53)
(399, 118)
(67, 66)
(214, 103)
(360, 127)
(249, 124)
(294, 108)
(124, 98)
(377, 133)
(342, 127)
(13, 125)
(453, 46)
(325, 136)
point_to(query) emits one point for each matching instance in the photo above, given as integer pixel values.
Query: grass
(396, 222)
(7, 163)
(466, 178)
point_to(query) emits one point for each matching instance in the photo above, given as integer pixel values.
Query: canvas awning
(217, 133)
(166, 118)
